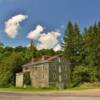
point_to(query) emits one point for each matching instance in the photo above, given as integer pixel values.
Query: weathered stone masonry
(52, 70)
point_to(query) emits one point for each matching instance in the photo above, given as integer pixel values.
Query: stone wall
(53, 72)
(39, 75)
(59, 71)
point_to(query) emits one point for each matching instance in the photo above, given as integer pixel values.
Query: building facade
(47, 71)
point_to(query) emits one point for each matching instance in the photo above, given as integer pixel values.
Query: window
(54, 67)
(43, 76)
(65, 76)
(43, 67)
(54, 76)
(65, 68)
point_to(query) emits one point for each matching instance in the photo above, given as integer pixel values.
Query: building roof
(43, 59)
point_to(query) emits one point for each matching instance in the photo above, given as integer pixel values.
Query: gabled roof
(43, 59)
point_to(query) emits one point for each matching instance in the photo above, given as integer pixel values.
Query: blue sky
(52, 14)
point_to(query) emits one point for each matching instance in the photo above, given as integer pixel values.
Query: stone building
(46, 71)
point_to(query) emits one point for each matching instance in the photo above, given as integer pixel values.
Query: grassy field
(22, 89)
(30, 89)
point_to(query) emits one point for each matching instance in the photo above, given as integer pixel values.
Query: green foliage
(11, 60)
(91, 45)
(83, 74)
(72, 43)
(8, 68)
(83, 49)
(1, 44)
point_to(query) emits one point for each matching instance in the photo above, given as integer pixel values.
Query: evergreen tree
(32, 50)
(68, 40)
(1, 44)
(92, 45)
(72, 43)
(32, 46)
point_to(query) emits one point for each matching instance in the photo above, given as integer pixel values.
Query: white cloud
(35, 33)
(13, 24)
(49, 40)
(57, 47)
(45, 40)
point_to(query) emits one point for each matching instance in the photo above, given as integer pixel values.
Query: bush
(95, 84)
(83, 74)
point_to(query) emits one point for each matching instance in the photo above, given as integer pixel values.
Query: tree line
(83, 51)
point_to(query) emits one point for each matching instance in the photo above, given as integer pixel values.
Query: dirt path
(55, 95)
(90, 92)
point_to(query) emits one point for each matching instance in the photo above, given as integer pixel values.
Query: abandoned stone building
(45, 71)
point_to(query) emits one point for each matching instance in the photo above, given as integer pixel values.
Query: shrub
(83, 74)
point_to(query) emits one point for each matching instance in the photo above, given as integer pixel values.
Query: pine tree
(92, 45)
(32, 46)
(68, 40)
(1, 44)
(32, 51)
(72, 43)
